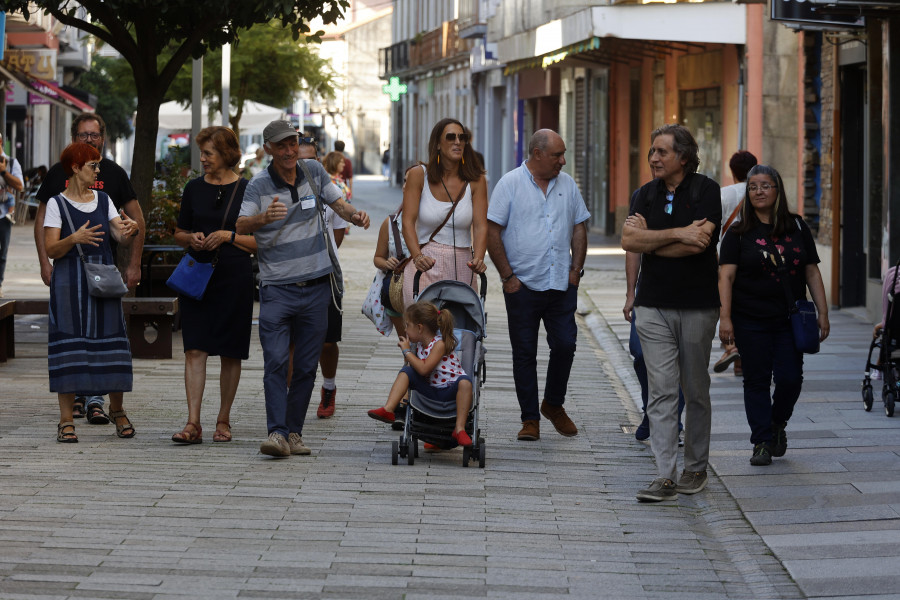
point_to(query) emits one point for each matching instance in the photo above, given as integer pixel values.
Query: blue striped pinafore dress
(88, 351)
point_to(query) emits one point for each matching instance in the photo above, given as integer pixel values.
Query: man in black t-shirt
(672, 222)
(112, 179)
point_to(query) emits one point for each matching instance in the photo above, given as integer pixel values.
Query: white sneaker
(296, 444)
(275, 445)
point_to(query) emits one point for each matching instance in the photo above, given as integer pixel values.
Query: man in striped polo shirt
(281, 210)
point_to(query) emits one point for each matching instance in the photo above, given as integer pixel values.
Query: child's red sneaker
(462, 438)
(380, 414)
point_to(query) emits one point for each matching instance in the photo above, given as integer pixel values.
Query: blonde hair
(427, 314)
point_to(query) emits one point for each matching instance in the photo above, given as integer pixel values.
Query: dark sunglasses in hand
(220, 196)
(462, 137)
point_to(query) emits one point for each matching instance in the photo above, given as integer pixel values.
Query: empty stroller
(887, 342)
(429, 420)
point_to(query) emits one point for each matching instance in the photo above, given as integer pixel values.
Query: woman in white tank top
(453, 172)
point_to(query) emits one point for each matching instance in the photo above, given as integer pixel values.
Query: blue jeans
(525, 309)
(290, 313)
(640, 367)
(445, 395)
(767, 353)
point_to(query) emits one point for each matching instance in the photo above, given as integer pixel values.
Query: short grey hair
(539, 141)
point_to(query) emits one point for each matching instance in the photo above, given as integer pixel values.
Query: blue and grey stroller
(430, 421)
(887, 343)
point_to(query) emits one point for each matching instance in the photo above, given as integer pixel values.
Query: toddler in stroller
(886, 340)
(433, 369)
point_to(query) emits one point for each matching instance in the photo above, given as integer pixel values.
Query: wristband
(505, 279)
(406, 351)
(233, 233)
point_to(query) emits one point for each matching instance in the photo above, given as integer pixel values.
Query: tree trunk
(143, 162)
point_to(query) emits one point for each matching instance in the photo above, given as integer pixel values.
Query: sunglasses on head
(307, 141)
(670, 197)
(462, 137)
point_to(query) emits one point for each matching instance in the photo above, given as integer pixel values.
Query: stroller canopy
(468, 308)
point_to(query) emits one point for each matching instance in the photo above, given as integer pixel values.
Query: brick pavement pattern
(147, 519)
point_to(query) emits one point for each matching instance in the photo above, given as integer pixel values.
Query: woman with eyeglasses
(754, 311)
(88, 349)
(219, 324)
(445, 211)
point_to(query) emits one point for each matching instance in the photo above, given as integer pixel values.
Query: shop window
(701, 113)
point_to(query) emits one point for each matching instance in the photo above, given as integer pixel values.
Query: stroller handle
(482, 292)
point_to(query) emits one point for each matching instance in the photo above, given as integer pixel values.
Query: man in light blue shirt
(537, 239)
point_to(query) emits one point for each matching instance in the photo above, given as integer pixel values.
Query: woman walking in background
(754, 311)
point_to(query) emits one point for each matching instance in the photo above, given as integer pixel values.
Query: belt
(316, 281)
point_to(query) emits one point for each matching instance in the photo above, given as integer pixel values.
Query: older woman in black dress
(219, 324)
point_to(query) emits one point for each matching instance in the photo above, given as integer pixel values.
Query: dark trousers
(525, 309)
(767, 353)
(640, 367)
(5, 234)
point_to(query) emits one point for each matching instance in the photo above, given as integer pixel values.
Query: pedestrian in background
(11, 181)
(732, 199)
(754, 312)
(672, 222)
(346, 172)
(445, 211)
(88, 350)
(537, 236)
(219, 324)
(280, 208)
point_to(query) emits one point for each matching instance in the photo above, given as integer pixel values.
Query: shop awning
(48, 91)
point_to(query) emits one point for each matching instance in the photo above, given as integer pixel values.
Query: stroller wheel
(868, 397)
(467, 455)
(889, 403)
(411, 451)
(481, 453)
(395, 452)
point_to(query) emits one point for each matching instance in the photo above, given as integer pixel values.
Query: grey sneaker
(762, 455)
(296, 444)
(275, 445)
(691, 482)
(661, 489)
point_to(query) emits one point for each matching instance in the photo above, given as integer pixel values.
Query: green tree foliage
(110, 80)
(142, 29)
(252, 78)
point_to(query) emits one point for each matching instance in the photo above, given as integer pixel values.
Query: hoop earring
(463, 159)
(439, 159)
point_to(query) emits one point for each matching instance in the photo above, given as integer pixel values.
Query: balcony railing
(393, 59)
(438, 44)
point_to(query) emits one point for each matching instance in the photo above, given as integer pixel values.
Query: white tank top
(432, 213)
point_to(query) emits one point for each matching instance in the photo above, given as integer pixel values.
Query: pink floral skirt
(450, 263)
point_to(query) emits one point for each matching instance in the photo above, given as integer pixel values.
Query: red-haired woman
(88, 348)
(453, 171)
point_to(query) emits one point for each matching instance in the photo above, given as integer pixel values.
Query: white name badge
(307, 202)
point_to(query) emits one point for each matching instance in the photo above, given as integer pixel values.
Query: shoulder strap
(732, 217)
(395, 232)
(335, 264)
(230, 200)
(65, 209)
(462, 193)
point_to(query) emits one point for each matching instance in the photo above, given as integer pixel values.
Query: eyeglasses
(764, 187)
(462, 137)
(670, 197)
(88, 135)
(93, 165)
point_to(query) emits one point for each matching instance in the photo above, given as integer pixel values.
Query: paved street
(146, 519)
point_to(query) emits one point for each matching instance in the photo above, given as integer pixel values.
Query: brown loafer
(531, 431)
(561, 421)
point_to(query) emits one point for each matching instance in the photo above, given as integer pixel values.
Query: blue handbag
(191, 276)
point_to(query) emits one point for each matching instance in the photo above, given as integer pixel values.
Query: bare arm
(479, 225)
(123, 229)
(679, 249)
(274, 212)
(41, 244)
(346, 211)
(86, 235)
(10, 179)
(423, 367)
(632, 268)
(817, 291)
(726, 283)
(132, 208)
(383, 259)
(636, 238)
(498, 256)
(579, 251)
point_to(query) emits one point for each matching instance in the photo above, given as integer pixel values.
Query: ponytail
(440, 321)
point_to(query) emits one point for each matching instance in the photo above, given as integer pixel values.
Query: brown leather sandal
(225, 434)
(124, 430)
(191, 434)
(66, 437)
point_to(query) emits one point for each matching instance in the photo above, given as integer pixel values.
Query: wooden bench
(141, 313)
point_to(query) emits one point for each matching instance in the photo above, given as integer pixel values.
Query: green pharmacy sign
(394, 88)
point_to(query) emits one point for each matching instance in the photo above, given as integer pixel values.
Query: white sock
(328, 383)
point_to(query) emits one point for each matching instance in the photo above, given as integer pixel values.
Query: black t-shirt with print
(111, 179)
(758, 292)
(689, 282)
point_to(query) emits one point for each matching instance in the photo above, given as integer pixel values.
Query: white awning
(697, 22)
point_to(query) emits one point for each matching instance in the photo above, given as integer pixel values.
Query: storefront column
(755, 16)
(620, 108)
